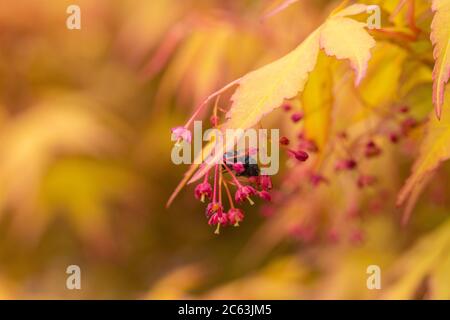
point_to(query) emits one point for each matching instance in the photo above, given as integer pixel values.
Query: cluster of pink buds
(346, 164)
(405, 123)
(401, 119)
(228, 177)
(242, 178)
(296, 116)
(298, 154)
(372, 149)
(238, 176)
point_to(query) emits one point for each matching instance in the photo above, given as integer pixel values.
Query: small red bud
(299, 155)
(317, 179)
(284, 141)
(287, 107)
(357, 236)
(393, 137)
(309, 145)
(346, 164)
(372, 150)
(408, 124)
(265, 182)
(253, 180)
(265, 195)
(296, 117)
(404, 109)
(214, 120)
(238, 167)
(343, 135)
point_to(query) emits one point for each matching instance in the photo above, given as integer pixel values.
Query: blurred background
(85, 169)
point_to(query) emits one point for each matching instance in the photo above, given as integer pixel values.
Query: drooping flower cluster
(228, 177)
(240, 180)
(241, 175)
(352, 151)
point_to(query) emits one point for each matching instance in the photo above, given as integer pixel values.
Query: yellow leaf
(264, 89)
(414, 73)
(317, 100)
(346, 39)
(282, 278)
(418, 263)
(80, 190)
(177, 283)
(33, 141)
(435, 149)
(381, 86)
(440, 278)
(352, 10)
(440, 37)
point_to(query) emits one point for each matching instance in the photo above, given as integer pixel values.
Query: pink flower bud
(317, 179)
(296, 117)
(218, 218)
(333, 236)
(214, 120)
(181, 133)
(299, 155)
(357, 237)
(265, 182)
(404, 109)
(265, 195)
(213, 207)
(308, 145)
(238, 167)
(244, 193)
(371, 150)
(287, 107)
(254, 180)
(235, 216)
(202, 191)
(408, 124)
(393, 137)
(284, 141)
(346, 164)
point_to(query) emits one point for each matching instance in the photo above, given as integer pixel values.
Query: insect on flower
(235, 171)
(242, 163)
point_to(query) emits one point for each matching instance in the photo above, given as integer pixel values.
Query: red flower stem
(233, 176)
(205, 102)
(230, 198)
(216, 105)
(220, 186)
(205, 179)
(215, 183)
